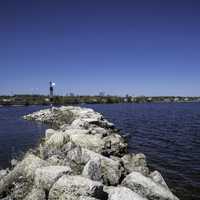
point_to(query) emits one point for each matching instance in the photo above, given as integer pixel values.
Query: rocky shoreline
(83, 157)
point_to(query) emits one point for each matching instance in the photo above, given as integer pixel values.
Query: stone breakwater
(83, 157)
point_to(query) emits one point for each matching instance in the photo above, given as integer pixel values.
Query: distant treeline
(66, 100)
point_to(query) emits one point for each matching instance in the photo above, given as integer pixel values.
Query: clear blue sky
(138, 47)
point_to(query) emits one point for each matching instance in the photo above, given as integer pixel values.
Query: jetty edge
(82, 157)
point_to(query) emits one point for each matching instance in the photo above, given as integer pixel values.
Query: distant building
(176, 99)
(47, 99)
(102, 94)
(167, 100)
(6, 100)
(149, 99)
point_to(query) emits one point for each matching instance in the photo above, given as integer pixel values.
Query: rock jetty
(83, 157)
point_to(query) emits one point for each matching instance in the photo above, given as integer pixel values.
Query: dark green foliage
(70, 100)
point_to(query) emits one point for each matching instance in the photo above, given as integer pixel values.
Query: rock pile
(83, 158)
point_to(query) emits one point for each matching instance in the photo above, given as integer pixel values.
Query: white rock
(75, 186)
(123, 193)
(92, 169)
(58, 139)
(30, 164)
(136, 163)
(111, 170)
(146, 187)
(45, 177)
(76, 131)
(49, 133)
(86, 198)
(157, 177)
(36, 194)
(91, 142)
(3, 173)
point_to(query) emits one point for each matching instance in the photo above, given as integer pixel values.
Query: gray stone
(157, 177)
(136, 163)
(45, 177)
(3, 173)
(91, 142)
(58, 139)
(123, 193)
(92, 170)
(115, 145)
(49, 133)
(36, 194)
(111, 170)
(13, 162)
(75, 186)
(146, 187)
(30, 164)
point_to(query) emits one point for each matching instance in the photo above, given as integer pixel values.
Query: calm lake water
(168, 134)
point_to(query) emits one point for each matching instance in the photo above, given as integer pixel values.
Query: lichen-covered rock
(75, 186)
(45, 177)
(114, 145)
(58, 139)
(123, 193)
(136, 162)
(20, 178)
(36, 194)
(91, 142)
(92, 169)
(49, 132)
(111, 170)
(146, 187)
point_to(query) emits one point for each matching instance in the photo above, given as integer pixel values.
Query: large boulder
(22, 174)
(92, 169)
(146, 187)
(67, 186)
(132, 162)
(36, 194)
(111, 170)
(99, 130)
(114, 145)
(92, 142)
(157, 177)
(58, 139)
(123, 193)
(49, 132)
(45, 177)
(3, 173)
(29, 165)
